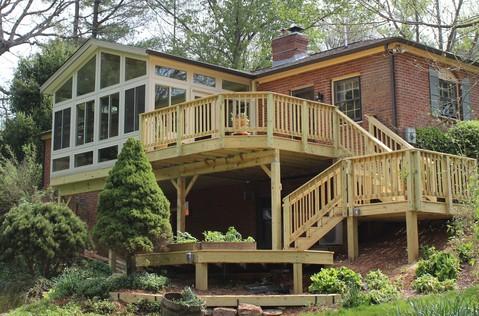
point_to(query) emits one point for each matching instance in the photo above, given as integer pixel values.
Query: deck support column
(353, 242)
(112, 261)
(276, 202)
(412, 236)
(201, 276)
(180, 204)
(297, 278)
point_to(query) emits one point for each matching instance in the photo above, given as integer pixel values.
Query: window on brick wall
(347, 97)
(448, 98)
(304, 93)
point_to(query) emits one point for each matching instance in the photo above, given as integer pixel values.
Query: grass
(433, 304)
(46, 307)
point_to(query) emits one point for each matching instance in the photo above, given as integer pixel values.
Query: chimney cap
(295, 29)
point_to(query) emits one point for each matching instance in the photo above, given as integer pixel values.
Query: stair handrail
(398, 141)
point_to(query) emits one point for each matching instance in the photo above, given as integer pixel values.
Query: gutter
(392, 79)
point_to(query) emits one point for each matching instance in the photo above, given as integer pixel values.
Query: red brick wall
(47, 150)
(84, 205)
(412, 90)
(374, 76)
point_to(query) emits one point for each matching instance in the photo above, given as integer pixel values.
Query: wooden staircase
(398, 180)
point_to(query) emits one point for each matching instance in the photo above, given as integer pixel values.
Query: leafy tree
(42, 236)
(19, 131)
(19, 180)
(133, 213)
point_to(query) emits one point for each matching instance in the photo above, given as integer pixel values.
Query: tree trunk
(94, 25)
(130, 264)
(76, 20)
(439, 23)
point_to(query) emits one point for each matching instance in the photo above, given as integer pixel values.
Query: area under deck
(201, 259)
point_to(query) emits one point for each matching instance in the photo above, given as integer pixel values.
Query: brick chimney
(290, 46)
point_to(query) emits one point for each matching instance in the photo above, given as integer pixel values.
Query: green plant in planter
(231, 235)
(189, 298)
(184, 238)
(213, 236)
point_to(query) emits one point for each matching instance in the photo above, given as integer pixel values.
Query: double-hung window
(109, 114)
(347, 97)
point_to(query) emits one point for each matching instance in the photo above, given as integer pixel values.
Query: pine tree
(133, 213)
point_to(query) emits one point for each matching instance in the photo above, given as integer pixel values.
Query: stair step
(314, 234)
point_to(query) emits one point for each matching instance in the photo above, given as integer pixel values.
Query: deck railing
(410, 175)
(255, 113)
(385, 135)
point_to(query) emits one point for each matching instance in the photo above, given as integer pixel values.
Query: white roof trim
(89, 46)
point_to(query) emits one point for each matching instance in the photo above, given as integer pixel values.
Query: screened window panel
(171, 73)
(110, 70)
(134, 68)
(61, 129)
(107, 153)
(64, 92)
(109, 107)
(178, 95)
(204, 80)
(134, 106)
(85, 122)
(86, 77)
(83, 159)
(234, 86)
(162, 96)
(60, 164)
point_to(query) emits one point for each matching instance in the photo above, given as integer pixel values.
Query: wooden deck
(201, 259)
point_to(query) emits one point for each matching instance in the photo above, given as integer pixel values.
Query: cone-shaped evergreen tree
(133, 213)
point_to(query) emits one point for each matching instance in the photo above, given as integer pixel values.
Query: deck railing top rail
(256, 113)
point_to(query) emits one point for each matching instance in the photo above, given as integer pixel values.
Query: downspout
(392, 79)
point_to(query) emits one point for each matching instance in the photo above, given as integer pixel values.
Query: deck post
(336, 132)
(180, 204)
(276, 202)
(448, 184)
(220, 105)
(180, 128)
(297, 278)
(286, 223)
(353, 242)
(412, 236)
(201, 276)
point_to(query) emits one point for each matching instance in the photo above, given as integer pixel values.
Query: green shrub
(464, 137)
(213, 236)
(427, 251)
(440, 264)
(432, 138)
(146, 307)
(379, 288)
(43, 236)
(334, 280)
(133, 213)
(354, 296)
(102, 307)
(189, 298)
(427, 284)
(465, 252)
(149, 282)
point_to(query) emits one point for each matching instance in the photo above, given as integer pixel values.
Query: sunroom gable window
(134, 68)
(64, 92)
(347, 97)
(134, 106)
(86, 77)
(61, 129)
(85, 117)
(171, 73)
(109, 114)
(110, 70)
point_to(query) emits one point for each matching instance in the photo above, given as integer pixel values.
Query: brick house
(106, 93)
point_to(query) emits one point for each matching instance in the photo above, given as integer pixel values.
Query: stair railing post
(304, 124)
(286, 223)
(270, 119)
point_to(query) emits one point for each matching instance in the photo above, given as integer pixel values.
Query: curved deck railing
(255, 113)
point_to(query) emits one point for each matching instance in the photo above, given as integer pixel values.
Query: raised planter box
(209, 245)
